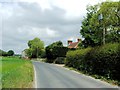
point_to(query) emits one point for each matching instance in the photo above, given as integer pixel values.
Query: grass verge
(113, 82)
(16, 73)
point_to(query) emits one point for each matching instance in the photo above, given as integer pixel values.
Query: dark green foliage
(59, 60)
(43, 54)
(102, 60)
(10, 53)
(3, 53)
(60, 51)
(55, 50)
(75, 58)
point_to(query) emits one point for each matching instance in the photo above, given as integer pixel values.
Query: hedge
(102, 60)
(75, 58)
(54, 52)
(3, 53)
(59, 60)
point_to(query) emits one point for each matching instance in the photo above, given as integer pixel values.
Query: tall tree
(92, 28)
(36, 47)
(87, 31)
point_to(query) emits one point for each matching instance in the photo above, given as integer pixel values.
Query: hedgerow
(104, 60)
(101, 60)
(75, 58)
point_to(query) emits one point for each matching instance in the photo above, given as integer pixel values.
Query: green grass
(16, 73)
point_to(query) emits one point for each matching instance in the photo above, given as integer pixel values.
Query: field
(16, 73)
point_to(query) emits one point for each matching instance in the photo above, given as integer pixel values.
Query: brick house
(73, 45)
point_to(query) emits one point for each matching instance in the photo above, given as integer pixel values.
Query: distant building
(73, 45)
(24, 55)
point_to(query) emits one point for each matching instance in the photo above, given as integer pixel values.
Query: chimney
(69, 42)
(78, 40)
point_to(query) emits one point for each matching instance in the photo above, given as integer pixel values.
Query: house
(24, 55)
(73, 45)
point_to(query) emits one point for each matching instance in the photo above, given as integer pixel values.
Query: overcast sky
(49, 20)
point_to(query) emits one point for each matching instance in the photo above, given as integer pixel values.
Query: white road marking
(35, 77)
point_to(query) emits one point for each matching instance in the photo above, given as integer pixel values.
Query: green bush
(59, 60)
(3, 53)
(10, 53)
(101, 60)
(55, 50)
(43, 54)
(53, 53)
(104, 60)
(75, 58)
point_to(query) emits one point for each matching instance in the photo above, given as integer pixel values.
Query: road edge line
(35, 78)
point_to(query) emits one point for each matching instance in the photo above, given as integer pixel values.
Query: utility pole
(100, 18)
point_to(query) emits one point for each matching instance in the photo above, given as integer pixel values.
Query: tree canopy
(55, 50)
(4, 53)
(92, 27)
(36, 48)
(10, 53)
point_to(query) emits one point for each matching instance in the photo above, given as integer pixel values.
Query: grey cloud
(28, 20)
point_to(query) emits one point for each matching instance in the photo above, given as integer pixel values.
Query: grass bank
(102, 78)
(16, 73)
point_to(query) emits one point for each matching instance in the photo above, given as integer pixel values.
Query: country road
(52, 76)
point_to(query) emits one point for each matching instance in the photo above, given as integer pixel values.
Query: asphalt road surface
(52, 76)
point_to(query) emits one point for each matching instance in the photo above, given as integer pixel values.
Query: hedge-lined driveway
(52, 76)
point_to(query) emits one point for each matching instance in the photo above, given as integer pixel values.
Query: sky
(49, 20)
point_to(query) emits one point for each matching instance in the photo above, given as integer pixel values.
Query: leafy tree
(49, 49)
(87, 30)
(10, 53)
(92, 28)
(36, 47)
(111, 20)
(55, 50)
(28, 52)
(3, 53)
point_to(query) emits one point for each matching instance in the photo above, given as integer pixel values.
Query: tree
(87, 30)
(49, 49)
(55, 50)
(36, 47)
(111, 21)
(3, 53)
(10, 53)
(92, 28)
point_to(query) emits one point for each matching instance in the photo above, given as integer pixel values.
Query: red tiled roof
(73, 45)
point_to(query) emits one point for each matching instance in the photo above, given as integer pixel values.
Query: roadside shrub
(100, 60)
(59, 60)
(104, 60)
(3, 53)
(75, 58)
(43, 55)
(50, 51)
(53, 52)
(60, 51)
